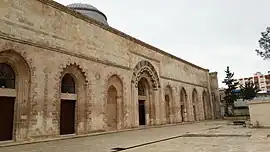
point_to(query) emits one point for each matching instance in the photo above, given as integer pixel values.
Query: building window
(141, 89)
(7, 76)
(68, 84)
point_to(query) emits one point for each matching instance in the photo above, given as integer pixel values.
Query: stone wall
(259, 111)
(215, 94)
(68, 34)
(51, 39)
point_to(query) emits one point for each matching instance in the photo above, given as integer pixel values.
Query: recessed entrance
(142, 120)
(67, 117)
(145, 87)
(68, 106)
(184, 105)
(143, 99)
(6, 117)
(7, 101)
(182, 112)
(112, 108)
(169, 113)
(167, 108)
(207, 106)
(195, 103)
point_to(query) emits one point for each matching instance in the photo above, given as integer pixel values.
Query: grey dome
(89, 11)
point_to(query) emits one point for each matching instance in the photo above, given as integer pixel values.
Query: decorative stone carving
(81, 84)
(97, 76)
(23, 105)
(145, 67)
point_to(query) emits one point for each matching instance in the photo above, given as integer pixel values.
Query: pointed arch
(144, 92)
(147, 68)
(143, 87)
(145, 77)
(168, 104)
(207, 106)
(72, 104)
(15, 94)
(184, 104)
(116, 82)
(114, 105)
(68, 84)
(195, 103)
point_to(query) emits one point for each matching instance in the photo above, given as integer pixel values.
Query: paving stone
(104, 143)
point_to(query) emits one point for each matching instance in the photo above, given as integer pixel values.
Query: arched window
(112, 95)
(68, 84)
(7, 76)
(141, 88)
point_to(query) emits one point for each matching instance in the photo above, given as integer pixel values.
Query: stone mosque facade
(65, 71)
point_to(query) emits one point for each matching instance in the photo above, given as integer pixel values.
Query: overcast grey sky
(208, 33)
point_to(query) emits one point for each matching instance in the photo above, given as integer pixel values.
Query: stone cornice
(6, 36)
(10, 38)
(172, 79)
(113, 30)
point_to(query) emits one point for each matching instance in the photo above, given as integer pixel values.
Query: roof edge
(113, 30)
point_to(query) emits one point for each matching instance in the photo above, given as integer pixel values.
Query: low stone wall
(241, 111)
(259, 110)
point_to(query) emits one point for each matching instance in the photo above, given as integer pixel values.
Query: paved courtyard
(214, 136)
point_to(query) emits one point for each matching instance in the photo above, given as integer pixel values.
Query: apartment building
(262, 80)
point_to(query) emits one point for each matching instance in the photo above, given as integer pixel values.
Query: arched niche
(15, 79)
(145, 94)
(195, 104)
(207, 106)
(168, 104)
(72, 105)
(144, 98)
(184, 104)
(114, 104)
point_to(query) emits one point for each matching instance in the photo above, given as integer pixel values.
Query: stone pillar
(151, 108)
(201, 106)
(215, 93)
(22, 105)
(134, 104)
(156, 106)
(162, 115)
(128, 108)
(148, 108)
(209, 96)
(120, 112)
(189, 106)
(172, 108)
(177, 106)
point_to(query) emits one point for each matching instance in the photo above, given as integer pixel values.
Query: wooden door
(142, 112)
(67, 117)
(6, 118)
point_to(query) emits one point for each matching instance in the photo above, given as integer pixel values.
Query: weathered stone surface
(43, 40)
